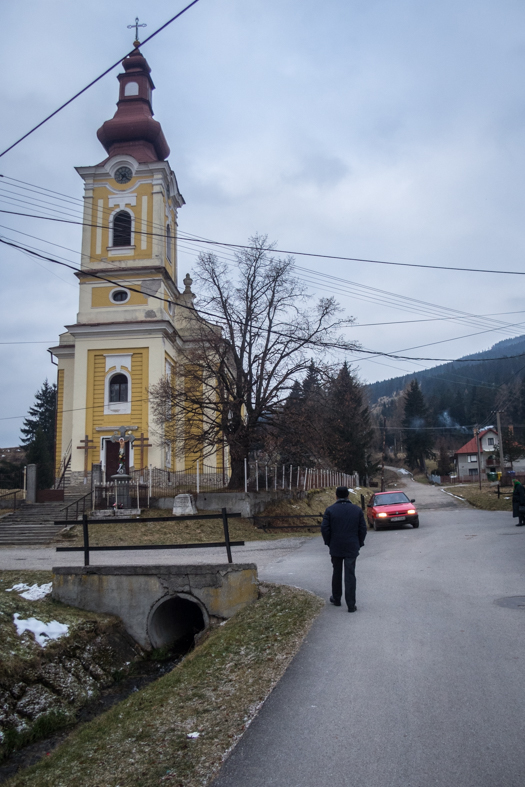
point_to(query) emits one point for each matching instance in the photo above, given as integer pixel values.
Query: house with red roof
(468, 467)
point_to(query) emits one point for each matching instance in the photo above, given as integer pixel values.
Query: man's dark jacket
(518, 499)
(344, 529)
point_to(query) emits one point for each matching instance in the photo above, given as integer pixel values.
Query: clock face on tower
(123, 175)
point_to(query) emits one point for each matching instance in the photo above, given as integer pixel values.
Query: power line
(329, 345)
(297, 253)
(94, 81)
(379, 296)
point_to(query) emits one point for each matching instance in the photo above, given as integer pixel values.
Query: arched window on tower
(122, 229)
(118, 388)
(168, 242)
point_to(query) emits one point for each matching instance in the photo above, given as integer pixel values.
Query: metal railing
(12, 494)
(86, 548)
(80, 506)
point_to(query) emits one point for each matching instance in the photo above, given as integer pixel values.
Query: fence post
(305, 478)
(363, 502)
(149, 488)
(283, 476)
(256, 475)
(291, 478)
(498, 493)
(14, 502)
(198, 479)
(138, 495)
(245, 474)
(86, 539)
(226, 535)
(266, 466)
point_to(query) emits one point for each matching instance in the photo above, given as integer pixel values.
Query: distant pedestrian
(518, 502)
(344, 532)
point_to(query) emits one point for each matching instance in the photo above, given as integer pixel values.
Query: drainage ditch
(140, 675)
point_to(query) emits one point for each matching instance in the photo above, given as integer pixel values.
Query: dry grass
(486, 498)
(216, 691)
(207, 530)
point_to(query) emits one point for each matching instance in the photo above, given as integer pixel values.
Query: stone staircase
(33, 525)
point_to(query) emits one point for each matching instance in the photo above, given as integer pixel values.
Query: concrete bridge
(159, 605)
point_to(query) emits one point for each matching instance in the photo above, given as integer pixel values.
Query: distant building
(466, 457)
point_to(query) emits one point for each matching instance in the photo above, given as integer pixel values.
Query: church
(132, 319)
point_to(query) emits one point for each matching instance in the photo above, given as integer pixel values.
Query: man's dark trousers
(337, 579)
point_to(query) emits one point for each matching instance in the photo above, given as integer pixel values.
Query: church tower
(128, 325)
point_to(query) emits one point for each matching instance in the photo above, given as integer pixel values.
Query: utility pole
(500, 442)
(476, 432)
(383, 457)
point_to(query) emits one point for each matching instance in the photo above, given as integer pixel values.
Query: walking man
(344, 532)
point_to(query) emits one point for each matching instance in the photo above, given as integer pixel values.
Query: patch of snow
(193, 734)
(43, 632)
(352, 491)
(32, 592)
(402, 471)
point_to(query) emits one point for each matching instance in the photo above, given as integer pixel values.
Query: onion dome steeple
(132, 130)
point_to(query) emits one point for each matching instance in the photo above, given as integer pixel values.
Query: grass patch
(486, 498)
(215, 691)
(206, 530)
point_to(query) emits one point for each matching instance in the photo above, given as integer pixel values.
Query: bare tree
(239, 369)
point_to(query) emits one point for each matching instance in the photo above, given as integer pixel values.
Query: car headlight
(411, 511)
(382, 514)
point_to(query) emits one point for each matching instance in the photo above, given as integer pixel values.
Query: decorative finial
(136, 42)
(188, 281)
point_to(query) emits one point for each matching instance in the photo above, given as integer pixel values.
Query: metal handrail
(64, 464)
(13, 494)
(61, 483)
(76, 505)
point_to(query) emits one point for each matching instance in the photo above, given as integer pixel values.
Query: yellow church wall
(95, 389)
(100, 297)
(145, 227)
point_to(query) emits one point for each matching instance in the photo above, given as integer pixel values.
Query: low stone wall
(159, 605)
(246, 503)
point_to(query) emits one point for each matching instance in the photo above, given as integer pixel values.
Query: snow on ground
(33, 592)
(43, 632)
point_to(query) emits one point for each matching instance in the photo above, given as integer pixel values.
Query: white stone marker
(184, 505)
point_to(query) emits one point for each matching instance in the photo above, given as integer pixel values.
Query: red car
(385, 508)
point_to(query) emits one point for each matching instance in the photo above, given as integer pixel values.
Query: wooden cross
(143, 443)
(136, 42)
(86, 448)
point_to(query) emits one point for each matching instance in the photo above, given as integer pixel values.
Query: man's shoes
(352, 609)
(334, 602)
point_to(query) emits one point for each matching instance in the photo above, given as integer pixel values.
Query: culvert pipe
(175, 621)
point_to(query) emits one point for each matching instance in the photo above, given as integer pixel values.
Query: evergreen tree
(39, 434)
(418, 439)
(348, 425)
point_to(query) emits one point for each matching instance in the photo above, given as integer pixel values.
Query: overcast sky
(360, 128)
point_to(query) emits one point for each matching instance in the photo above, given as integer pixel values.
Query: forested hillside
(458, 396)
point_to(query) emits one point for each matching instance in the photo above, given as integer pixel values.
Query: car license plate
(398, 519)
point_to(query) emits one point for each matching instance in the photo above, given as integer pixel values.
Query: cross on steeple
(136, 42)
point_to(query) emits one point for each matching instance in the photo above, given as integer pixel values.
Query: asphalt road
(422, 686)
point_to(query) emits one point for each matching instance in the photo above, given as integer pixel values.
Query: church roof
(132, 130)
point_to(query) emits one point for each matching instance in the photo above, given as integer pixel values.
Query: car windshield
(391, 499)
